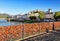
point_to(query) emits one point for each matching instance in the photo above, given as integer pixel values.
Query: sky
(14, 7)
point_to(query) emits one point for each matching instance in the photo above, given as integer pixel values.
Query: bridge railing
(37, 28)
(22, 31)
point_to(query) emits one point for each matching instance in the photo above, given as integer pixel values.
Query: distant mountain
(4, 15)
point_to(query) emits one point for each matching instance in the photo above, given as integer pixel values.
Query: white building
(22, 17)
(49, 15)
(36, 15)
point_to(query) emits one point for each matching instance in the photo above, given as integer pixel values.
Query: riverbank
(25, 21)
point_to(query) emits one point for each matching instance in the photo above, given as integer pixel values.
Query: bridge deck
(51, 36)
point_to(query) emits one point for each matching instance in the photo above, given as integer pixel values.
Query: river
(4, 22)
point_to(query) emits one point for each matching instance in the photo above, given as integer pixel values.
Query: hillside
(3, 15)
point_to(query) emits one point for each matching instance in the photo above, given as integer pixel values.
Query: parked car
(48, 20)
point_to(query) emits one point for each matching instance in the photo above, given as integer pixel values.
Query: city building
(49, 15)
(34, 13)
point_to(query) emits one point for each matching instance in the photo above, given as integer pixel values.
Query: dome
(49, 10)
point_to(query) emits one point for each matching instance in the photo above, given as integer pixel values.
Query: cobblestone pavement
(52, 36)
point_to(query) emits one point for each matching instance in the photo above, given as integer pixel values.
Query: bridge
(51, 36)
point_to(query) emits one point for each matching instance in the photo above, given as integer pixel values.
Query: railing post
(22, 31)
(47, 29)
(40, 28)
(53, 26)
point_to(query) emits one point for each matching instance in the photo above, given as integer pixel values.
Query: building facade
(49, 16)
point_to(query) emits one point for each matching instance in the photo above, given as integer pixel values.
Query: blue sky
(13, 7)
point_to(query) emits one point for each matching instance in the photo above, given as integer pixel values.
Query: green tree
(41, 14)
(57, 15)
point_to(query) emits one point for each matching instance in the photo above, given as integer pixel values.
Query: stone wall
(25, 30)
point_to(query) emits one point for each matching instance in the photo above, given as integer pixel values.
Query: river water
(4, 22)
